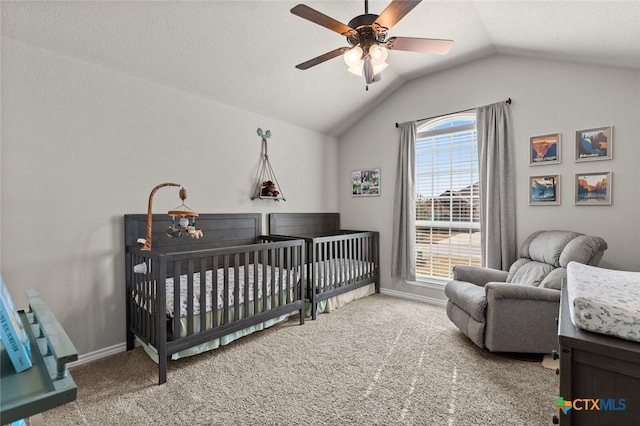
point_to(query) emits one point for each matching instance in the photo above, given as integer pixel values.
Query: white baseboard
(415, 297)
(100, 353)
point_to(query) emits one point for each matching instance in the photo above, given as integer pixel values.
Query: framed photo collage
(591, 188)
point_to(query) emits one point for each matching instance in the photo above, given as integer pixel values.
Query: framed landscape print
(594, 144)
(365, 183)
(544, 149)
(544, 190)
(593, 189)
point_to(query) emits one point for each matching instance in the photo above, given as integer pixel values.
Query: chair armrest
(500, 290)
(478, 275)
(521, 318)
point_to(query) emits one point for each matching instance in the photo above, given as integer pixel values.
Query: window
(447, 199)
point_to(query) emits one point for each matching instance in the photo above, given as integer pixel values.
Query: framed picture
(544, 149)
(365, 183)
(544, 190)
(593, 189)
(594, 144)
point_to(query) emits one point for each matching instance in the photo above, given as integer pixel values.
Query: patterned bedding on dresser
(604, 300)
(220, 296)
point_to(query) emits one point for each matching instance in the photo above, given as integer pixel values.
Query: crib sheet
(220, 293)
(339, 271)
(604, 301)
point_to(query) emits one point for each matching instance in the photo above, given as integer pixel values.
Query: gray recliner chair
(516, 311)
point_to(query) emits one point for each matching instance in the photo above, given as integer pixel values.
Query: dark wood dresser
(595, 366)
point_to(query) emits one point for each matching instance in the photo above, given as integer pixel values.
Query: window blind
(447, 201)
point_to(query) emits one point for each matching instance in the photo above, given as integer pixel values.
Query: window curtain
(403, 263)
(497, 188)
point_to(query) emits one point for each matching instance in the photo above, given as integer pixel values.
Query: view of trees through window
(447, 202)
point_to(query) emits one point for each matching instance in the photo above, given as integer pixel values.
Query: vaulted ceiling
(243, 53)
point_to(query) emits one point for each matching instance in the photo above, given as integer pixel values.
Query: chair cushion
(528, 272)
(583, 249)
(547, 246)
(468, 297)
(554, 279)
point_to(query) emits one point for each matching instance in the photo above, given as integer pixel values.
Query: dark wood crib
(338, 261)
(185, 292)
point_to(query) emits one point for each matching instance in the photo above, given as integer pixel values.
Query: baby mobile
(183, 219)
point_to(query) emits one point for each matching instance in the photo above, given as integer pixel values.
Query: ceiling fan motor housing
(366, 35)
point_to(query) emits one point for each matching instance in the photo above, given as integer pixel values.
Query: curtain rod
(450, 113)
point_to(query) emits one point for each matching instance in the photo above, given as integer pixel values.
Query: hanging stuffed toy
(269, 189)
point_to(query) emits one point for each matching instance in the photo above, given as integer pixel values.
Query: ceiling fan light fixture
(356, 70)
(378, 68)
(353, 57)
(378, 54)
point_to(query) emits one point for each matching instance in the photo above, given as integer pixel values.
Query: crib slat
(288, 276)
(342, 274)
(214, 291)
(280, 284)
(245, 288)
(154, 293)
(203, 293)
(265, 262)
(160, 335)
(225, 291)
(312, 274)
(190, 307)
(256, 263)
(273, 278)
(236, 287)
(176, 299)
(350, 260)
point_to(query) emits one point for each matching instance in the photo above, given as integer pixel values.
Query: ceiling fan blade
(395, 11)
(319, 18)
(421, 45)
(322, 58)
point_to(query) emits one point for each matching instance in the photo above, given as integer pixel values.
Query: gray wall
(83, 145)
(548, 97)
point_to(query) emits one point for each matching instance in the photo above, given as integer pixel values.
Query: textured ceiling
(243, 53)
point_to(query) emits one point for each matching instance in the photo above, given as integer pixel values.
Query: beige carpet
(379, 360)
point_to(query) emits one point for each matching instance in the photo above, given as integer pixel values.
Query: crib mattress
(604, 301)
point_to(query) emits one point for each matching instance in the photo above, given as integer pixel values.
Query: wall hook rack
(267, 187)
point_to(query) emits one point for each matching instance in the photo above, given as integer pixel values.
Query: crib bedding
(217, 342)
(220, 280)
(332, 272)
(604, 301)
(221, 319)
(336, 302)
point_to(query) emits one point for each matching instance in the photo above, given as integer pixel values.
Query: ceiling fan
(367, 38)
